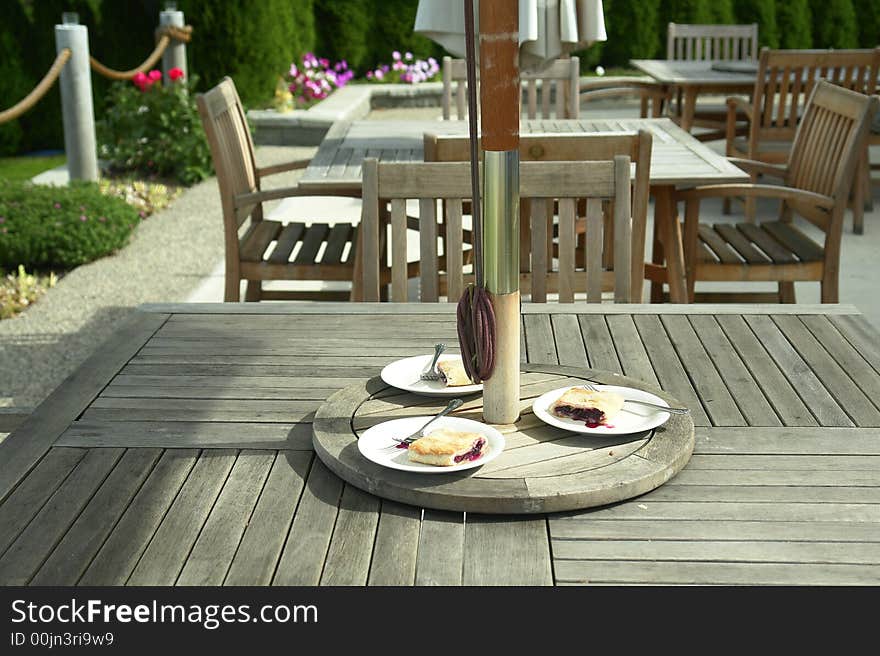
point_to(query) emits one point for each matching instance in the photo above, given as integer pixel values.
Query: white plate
(374, 443)
(404, 374)
(632, 419)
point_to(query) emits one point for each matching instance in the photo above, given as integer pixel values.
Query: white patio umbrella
(548, 29)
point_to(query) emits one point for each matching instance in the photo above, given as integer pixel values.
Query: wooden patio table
(700, 77)
(181, 453)
(678, 161)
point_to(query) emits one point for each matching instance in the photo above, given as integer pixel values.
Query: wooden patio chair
(816, 181)
(784, 81)
(573, 147)
(267, 249)
(541, 183)
(557, 83)
(653, 97)
(701, 42)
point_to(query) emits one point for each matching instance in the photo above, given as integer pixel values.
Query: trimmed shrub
(795, 23)
(392, 29)
(303, 39)
(721, 12)
(868, 13)
(152, 128)
(762, 12)
(834, 24)
(343, 29)
(51, 228)
(632, 32)
(685, 11)
(249, 41)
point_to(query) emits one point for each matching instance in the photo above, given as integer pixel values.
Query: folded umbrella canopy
(548, 29)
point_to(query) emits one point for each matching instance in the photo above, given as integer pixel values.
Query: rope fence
(164, 35)
(38, 91)
(73, 68)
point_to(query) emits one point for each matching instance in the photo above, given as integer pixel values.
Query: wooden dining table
(181, 453)
(678, 161)
(702, 77)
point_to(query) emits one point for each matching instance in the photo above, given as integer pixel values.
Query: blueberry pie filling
(474, 454)
(592, 417)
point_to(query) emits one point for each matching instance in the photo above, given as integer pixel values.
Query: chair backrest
(576, 147)
(232, 151)
(828, 143)
(786, 79)
(558, 84)
(541, 183)
(699, 42)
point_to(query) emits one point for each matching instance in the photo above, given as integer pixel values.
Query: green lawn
(24, 168)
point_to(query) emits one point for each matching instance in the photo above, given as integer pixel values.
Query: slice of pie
(591, 407)
(445, 447)
(453, 373)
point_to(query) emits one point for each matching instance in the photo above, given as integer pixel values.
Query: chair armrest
(735, 104)
(254, 197)
(754, 166)
(263, 171)
(757, 191)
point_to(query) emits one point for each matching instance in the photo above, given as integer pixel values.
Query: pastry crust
(454, 373)
(607, 402)
(442, 446)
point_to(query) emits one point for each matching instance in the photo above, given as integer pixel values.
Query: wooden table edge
(26, 445)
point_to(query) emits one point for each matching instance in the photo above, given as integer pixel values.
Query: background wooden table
(180, 453)
(694, 78)
(678, 160)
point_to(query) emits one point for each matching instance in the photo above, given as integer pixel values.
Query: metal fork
(430, 372)
(404, 442)
(664, 408)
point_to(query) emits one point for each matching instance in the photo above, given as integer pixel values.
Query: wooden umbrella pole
(499, 118)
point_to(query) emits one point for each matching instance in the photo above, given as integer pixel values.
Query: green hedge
(835, 25)
(795, 22)
(254, 41)
(52, 228)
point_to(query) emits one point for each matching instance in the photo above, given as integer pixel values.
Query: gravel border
(169, 255)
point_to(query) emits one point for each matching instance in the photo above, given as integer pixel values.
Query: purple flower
(379, 74)
(395, 55)
(83, 218)
(57, 206)
(408, 56)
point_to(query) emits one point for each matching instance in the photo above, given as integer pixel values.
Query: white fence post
(175, 54)
(77, 110)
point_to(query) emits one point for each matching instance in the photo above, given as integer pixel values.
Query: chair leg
(232, 288)
(786, 292)
(859, 193)
(829, 290)
(254, 290)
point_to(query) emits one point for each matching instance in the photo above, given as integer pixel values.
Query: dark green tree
(868, 12)
(721, 12)
(252, 42)
(392, 29)
(632, 31)
(343, 30)
(762, 12)
(834, 24)
(15, 81)
(795, 23)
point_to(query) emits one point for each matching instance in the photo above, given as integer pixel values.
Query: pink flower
(2, 219)
(83, 218)
(140, 80)
(57, 206)
(175, 74)
(155, 75)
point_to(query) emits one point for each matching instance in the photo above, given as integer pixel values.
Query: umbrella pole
(500, 98)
